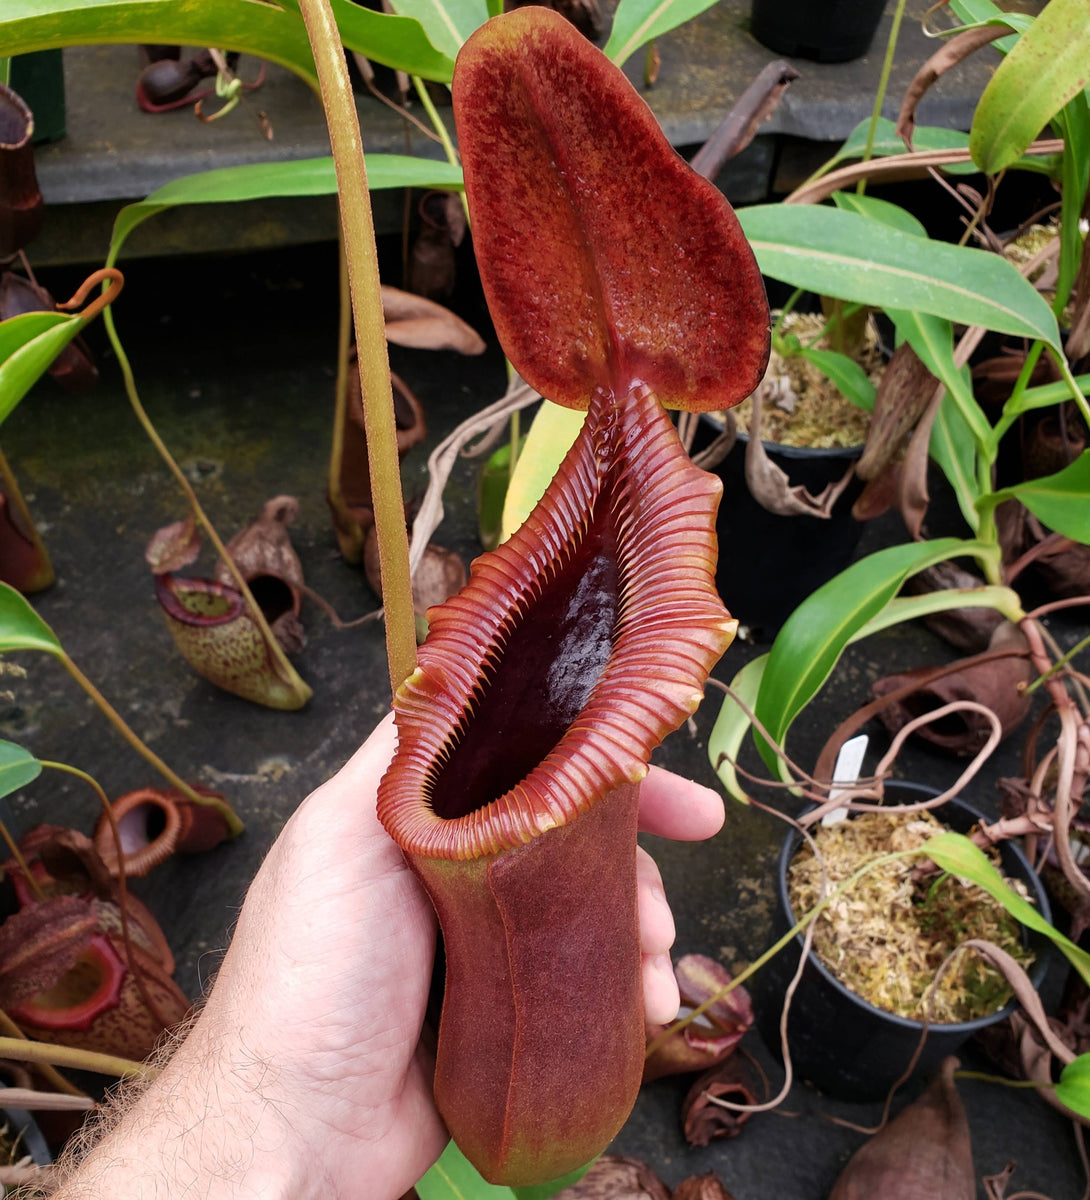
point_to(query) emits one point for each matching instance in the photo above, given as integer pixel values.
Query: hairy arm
(304, 1076)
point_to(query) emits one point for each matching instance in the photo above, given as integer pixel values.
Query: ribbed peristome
(628, 470)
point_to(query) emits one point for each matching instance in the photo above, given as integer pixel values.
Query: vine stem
(15, 498)
(13, 1033)
(880, 95)
(21, 863)
(22, 1050)
(145, 752)
(378, 408)
(348, 532)
(283, 666)
(122, 885)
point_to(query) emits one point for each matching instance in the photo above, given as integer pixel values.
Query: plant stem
(359, 241)
(68, 1056)
(880, 95)
(1072, 383)
(441, 129)
(21, 863)
(14, 1033)
(1013, 1083)
(145, 752)
(349, 537)
(1058, 665)
(280, 659)
(10, 486)
(122, 889)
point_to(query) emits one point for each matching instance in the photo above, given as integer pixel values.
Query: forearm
(206, 1127)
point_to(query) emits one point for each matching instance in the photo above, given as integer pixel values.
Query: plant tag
(849, 762)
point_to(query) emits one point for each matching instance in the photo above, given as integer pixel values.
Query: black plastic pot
(769, 564)
(822, 30)
(839, 1042)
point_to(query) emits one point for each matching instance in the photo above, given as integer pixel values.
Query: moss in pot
(790, 499)
(842, 1043)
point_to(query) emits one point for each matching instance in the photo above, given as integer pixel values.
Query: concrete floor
(234, 357)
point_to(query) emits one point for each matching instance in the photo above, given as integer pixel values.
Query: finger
(656, 920)
(678, 808)
(661, 1000)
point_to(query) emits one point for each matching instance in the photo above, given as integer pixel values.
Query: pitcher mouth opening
(197, 601)
(574, 649)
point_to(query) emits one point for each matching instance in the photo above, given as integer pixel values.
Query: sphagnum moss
(887, 937)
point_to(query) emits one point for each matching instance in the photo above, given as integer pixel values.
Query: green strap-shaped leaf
(1004, 600)
(637, 22)
(887, 142)
(446, 22)
(1073, 125)
(849, 256)
(551, 434)
(881, 211)
(16, 332)
(975, 13)
(29, 359)
(1043, 71)
(1073, 1088)
(957, 854)
(952, 447)
(729, 730)
(1060, 501)
(814, 636)
(848, 376)
(453, 1177)
(256, 181)
(270, 31)
(933, 340)
(20, 626)
(17, 768)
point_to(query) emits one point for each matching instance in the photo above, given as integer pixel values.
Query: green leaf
(814, 636)
(908, 608)
(46, 335)
(495, 479)
(453, 1177)
(955, 853)
(1060, 501)
(20, 626)
(975, 13)
(887, 142)
(1073, 1088)
(303, 177)
(17, 768)
(271, 31)
(730, 727)
(953, 448)
(637, 22)
(845, 373)
(542, 1191)
(881, 211)
(448, 23)
(1044, 396)
(847, 255)
(933, 340)
(1043, 71)
(15, 332)
(550, 437)
(1073, 125)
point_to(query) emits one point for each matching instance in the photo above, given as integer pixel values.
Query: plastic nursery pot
(823, 30)
(840, 1043)
(769, 564)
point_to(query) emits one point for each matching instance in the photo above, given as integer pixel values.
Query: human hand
(307, 1056)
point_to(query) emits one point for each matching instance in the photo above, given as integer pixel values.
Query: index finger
(678, 808)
